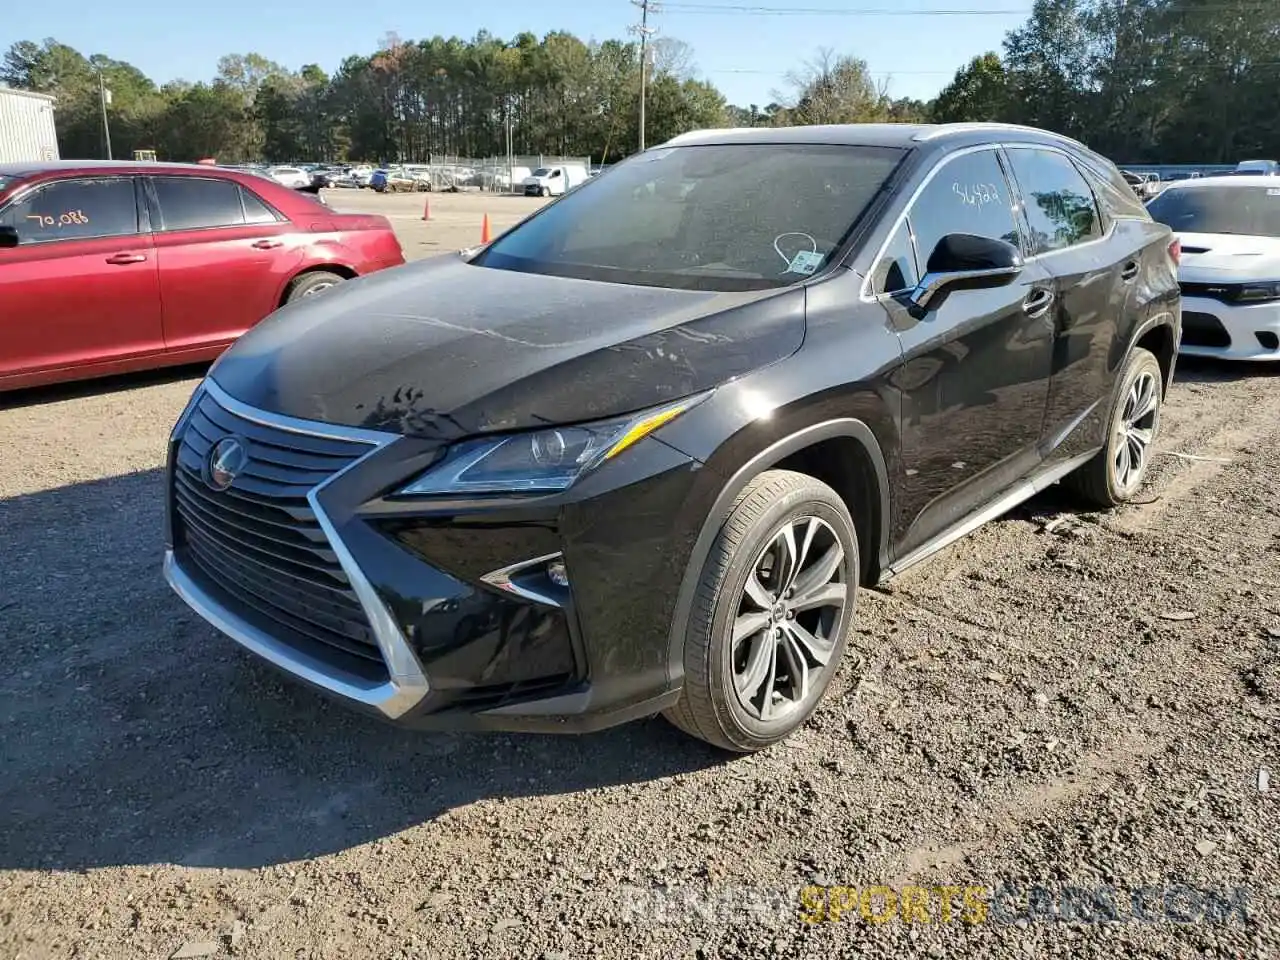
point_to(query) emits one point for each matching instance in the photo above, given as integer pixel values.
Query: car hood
(443, 349)
(1210, 257)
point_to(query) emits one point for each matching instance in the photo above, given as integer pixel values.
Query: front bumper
(1212, 328)
(286, 563)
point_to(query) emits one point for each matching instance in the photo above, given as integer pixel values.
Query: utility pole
(104, 95)
(645, 32)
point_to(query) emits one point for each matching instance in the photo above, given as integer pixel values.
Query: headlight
(539, 462)
(1258, 292)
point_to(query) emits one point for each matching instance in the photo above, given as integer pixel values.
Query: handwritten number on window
(976, 194)
(69, 219)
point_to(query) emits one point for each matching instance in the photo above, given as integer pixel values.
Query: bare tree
(831, 88)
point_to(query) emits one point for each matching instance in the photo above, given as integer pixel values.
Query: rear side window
(1061, 211)
(75, 210)
(190, 203)
(968, 195)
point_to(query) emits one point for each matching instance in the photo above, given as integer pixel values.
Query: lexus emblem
(227, 458)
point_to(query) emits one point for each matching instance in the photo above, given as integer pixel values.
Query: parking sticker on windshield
(805, 262)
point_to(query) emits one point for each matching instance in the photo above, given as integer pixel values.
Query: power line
(1245, 6)
(742, 10)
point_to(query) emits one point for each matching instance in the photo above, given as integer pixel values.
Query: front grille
(258, 542)
(1203, 330)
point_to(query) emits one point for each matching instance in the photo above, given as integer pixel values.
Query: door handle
(1037, 303)
(1129, 271)
(267, 244)
(120, 259)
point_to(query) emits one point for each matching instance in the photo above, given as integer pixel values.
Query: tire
(747, 550)
(310, 284)
(1110, 478)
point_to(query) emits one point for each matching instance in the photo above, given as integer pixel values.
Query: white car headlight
(543, 461)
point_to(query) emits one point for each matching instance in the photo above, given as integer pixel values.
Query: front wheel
(770, 617)
(1116, 473)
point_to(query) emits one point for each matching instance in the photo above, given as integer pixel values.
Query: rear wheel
(771, 613)
(1115, 475)
(309, 284)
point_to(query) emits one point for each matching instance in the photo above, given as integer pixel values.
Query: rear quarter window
(1114, 192)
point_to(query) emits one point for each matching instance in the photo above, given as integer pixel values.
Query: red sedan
(109, 267)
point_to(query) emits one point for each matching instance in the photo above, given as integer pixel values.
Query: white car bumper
(1211, 328)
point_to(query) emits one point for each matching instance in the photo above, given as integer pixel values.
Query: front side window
(969, 194)
(1250, 211)
(75, 210)
(191, 203)
(1061, 211)
(714, 217)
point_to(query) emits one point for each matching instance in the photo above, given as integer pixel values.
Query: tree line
(1154, 81)
(409, 101)
(1139, 80)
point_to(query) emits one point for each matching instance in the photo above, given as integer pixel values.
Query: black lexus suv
(638, 454)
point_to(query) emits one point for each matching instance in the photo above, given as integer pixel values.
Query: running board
(1020, 492)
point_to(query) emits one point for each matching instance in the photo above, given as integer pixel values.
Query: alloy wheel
(317, 288)
(785, 631)
(1135, 430)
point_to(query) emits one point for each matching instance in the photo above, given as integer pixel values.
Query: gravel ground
(1063, 700)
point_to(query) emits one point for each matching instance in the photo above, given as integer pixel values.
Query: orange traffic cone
(484, 230)
(426, 209)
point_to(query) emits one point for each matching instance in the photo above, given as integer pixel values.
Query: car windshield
(1251, 211)
(718, 217)
(540, 172)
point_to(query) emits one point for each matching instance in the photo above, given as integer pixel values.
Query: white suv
(290, 177)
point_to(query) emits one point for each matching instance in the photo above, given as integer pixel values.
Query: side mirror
(8, 237)
(962, 261)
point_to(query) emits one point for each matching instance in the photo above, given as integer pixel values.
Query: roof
(903, 135)
(117, 166)
(14, 92)
(851, 134)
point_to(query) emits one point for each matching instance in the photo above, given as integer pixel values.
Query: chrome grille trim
(406, 683)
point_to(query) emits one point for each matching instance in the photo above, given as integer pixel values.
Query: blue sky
(745, 54)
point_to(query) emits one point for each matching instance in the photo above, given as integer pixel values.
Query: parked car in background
(1229, 228)
(554, 181)
(108, 267)
(293, 177)
(396, 180)
(654, 438)
(1268, 168)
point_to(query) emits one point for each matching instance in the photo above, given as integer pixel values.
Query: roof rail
(690, 134)
(945, 128)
